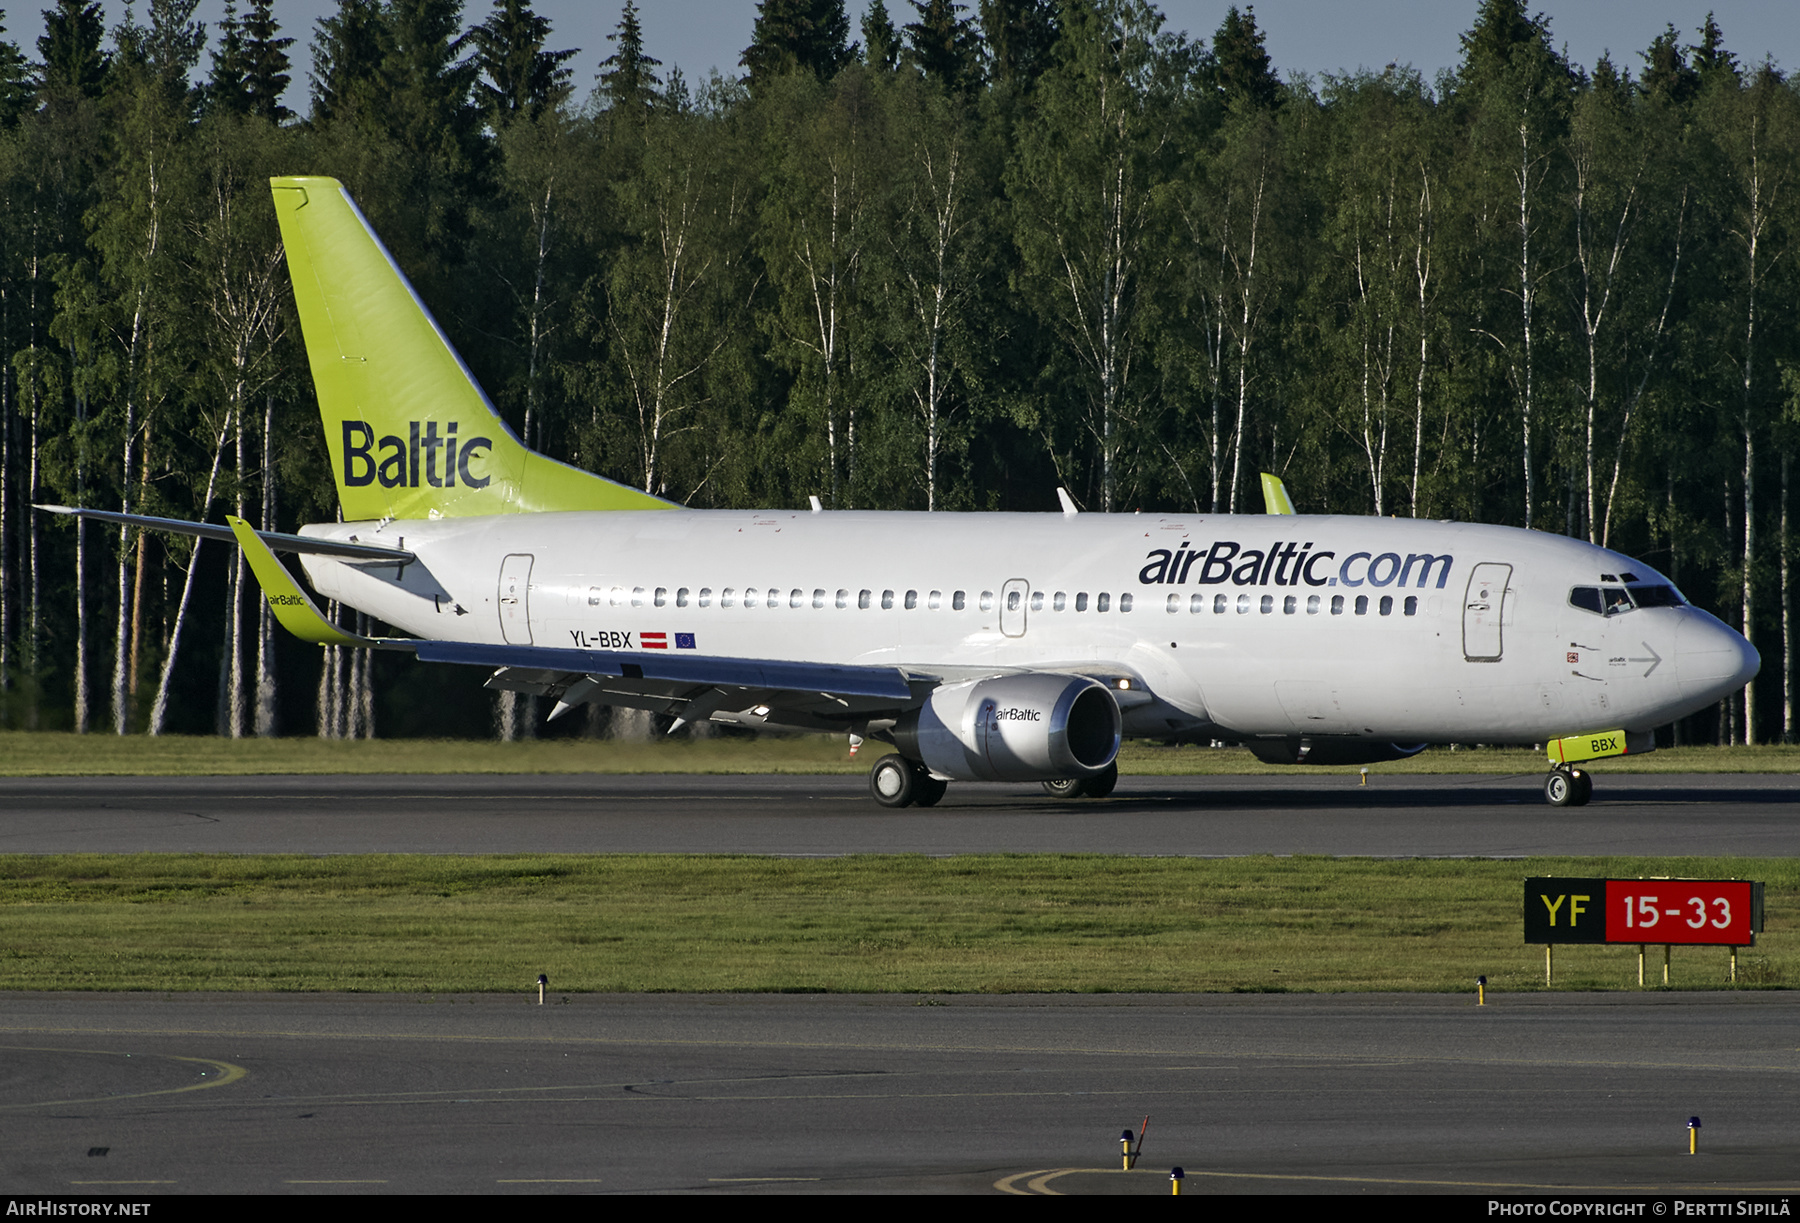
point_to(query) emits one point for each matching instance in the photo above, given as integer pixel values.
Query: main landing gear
(896, 781)
(1568, 786)
(1097, 786)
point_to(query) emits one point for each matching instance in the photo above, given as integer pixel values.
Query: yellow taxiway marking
(1038, 1181)
(228, 1074)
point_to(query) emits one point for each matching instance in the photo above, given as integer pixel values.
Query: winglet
(1275, 495)
(289, 603)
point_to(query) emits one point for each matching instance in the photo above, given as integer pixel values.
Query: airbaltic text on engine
(1285, 563)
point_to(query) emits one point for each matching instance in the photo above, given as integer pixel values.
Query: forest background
(949, 261)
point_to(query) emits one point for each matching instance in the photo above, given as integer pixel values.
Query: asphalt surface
(135, 1095)
(1482, 816)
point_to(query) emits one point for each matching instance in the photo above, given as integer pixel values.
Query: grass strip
(53, 754)
(986, 923)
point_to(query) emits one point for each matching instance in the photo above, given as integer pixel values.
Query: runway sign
(1718, 912)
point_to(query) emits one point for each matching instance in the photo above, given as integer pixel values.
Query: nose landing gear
(1568, 786)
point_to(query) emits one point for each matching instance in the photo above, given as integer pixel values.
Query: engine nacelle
(1014, 728)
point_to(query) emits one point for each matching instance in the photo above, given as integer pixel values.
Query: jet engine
(1039, 727)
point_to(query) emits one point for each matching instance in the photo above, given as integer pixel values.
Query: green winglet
(410, 432)
(289, 603)
(1275, 495)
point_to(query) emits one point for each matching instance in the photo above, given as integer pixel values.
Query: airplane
(999, 647)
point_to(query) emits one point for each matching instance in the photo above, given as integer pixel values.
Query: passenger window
(1337, 605)
(843, 599)
(1174, 604)
(912, 599)
(728, 597)
(1412, 605)
(1243, 605)
(681, 597)
(818, 598)
(1081, 601)
(1220, 602)
(1061, 602)
(1012, 600)
(887, 600)
(1037, 600)
(958, 601)
(1387, 605)
(987, 600)
(594, 596)
(1268, 604)
(637, 596)
(796, 598)
(1196, 604)
(1124, 604)
(1312, 605)
(775, 597)
(617, 597)
(662, 596)
(1103, 603)
(750, 596)
(862, 600)
(1290, 605)
(706, 596)
(1362, 605)
(934, 600)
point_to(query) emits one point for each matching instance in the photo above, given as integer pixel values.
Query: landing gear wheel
(892, 782)
(1560, 789)
(1068, 787)
(1101, 784)
(927, 790)
(1584, 788)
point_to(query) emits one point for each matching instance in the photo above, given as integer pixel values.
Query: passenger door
(515, 598)
(1013, 597)
(1484, 604)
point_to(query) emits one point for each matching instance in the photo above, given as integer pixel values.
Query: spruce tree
(628, 77)
(1667, 76)
(798, 35)
(519, 76)
(1241, 62)
(74, 65)
(1020, 36)
(266, 51)
(347, 53)
(17, 89)
(943, 44)
(881, 41)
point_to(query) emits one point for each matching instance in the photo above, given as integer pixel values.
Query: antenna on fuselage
(1068, 503)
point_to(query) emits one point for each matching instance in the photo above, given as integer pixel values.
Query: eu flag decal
(684, 641)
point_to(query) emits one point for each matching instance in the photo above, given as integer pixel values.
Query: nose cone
(1711, 659)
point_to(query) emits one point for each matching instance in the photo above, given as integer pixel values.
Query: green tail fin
(410, 431)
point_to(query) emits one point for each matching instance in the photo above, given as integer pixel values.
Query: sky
(1314, 37)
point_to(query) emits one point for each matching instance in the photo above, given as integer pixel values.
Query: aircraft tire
(1101, 784)
(892, 782)
(1559, 789)
(927, 790)
(1584, 788)
(1065, 787)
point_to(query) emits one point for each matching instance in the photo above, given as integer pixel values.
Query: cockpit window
(1616, 600)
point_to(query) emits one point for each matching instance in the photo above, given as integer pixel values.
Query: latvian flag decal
(654, 641)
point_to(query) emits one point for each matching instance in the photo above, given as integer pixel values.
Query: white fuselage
(1248, 624)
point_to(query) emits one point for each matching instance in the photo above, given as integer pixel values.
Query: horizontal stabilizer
(290, 604)
(277, 541)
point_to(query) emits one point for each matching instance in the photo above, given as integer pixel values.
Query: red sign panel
(1679, 911)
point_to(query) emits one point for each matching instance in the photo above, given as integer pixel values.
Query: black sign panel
(1565, 911)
